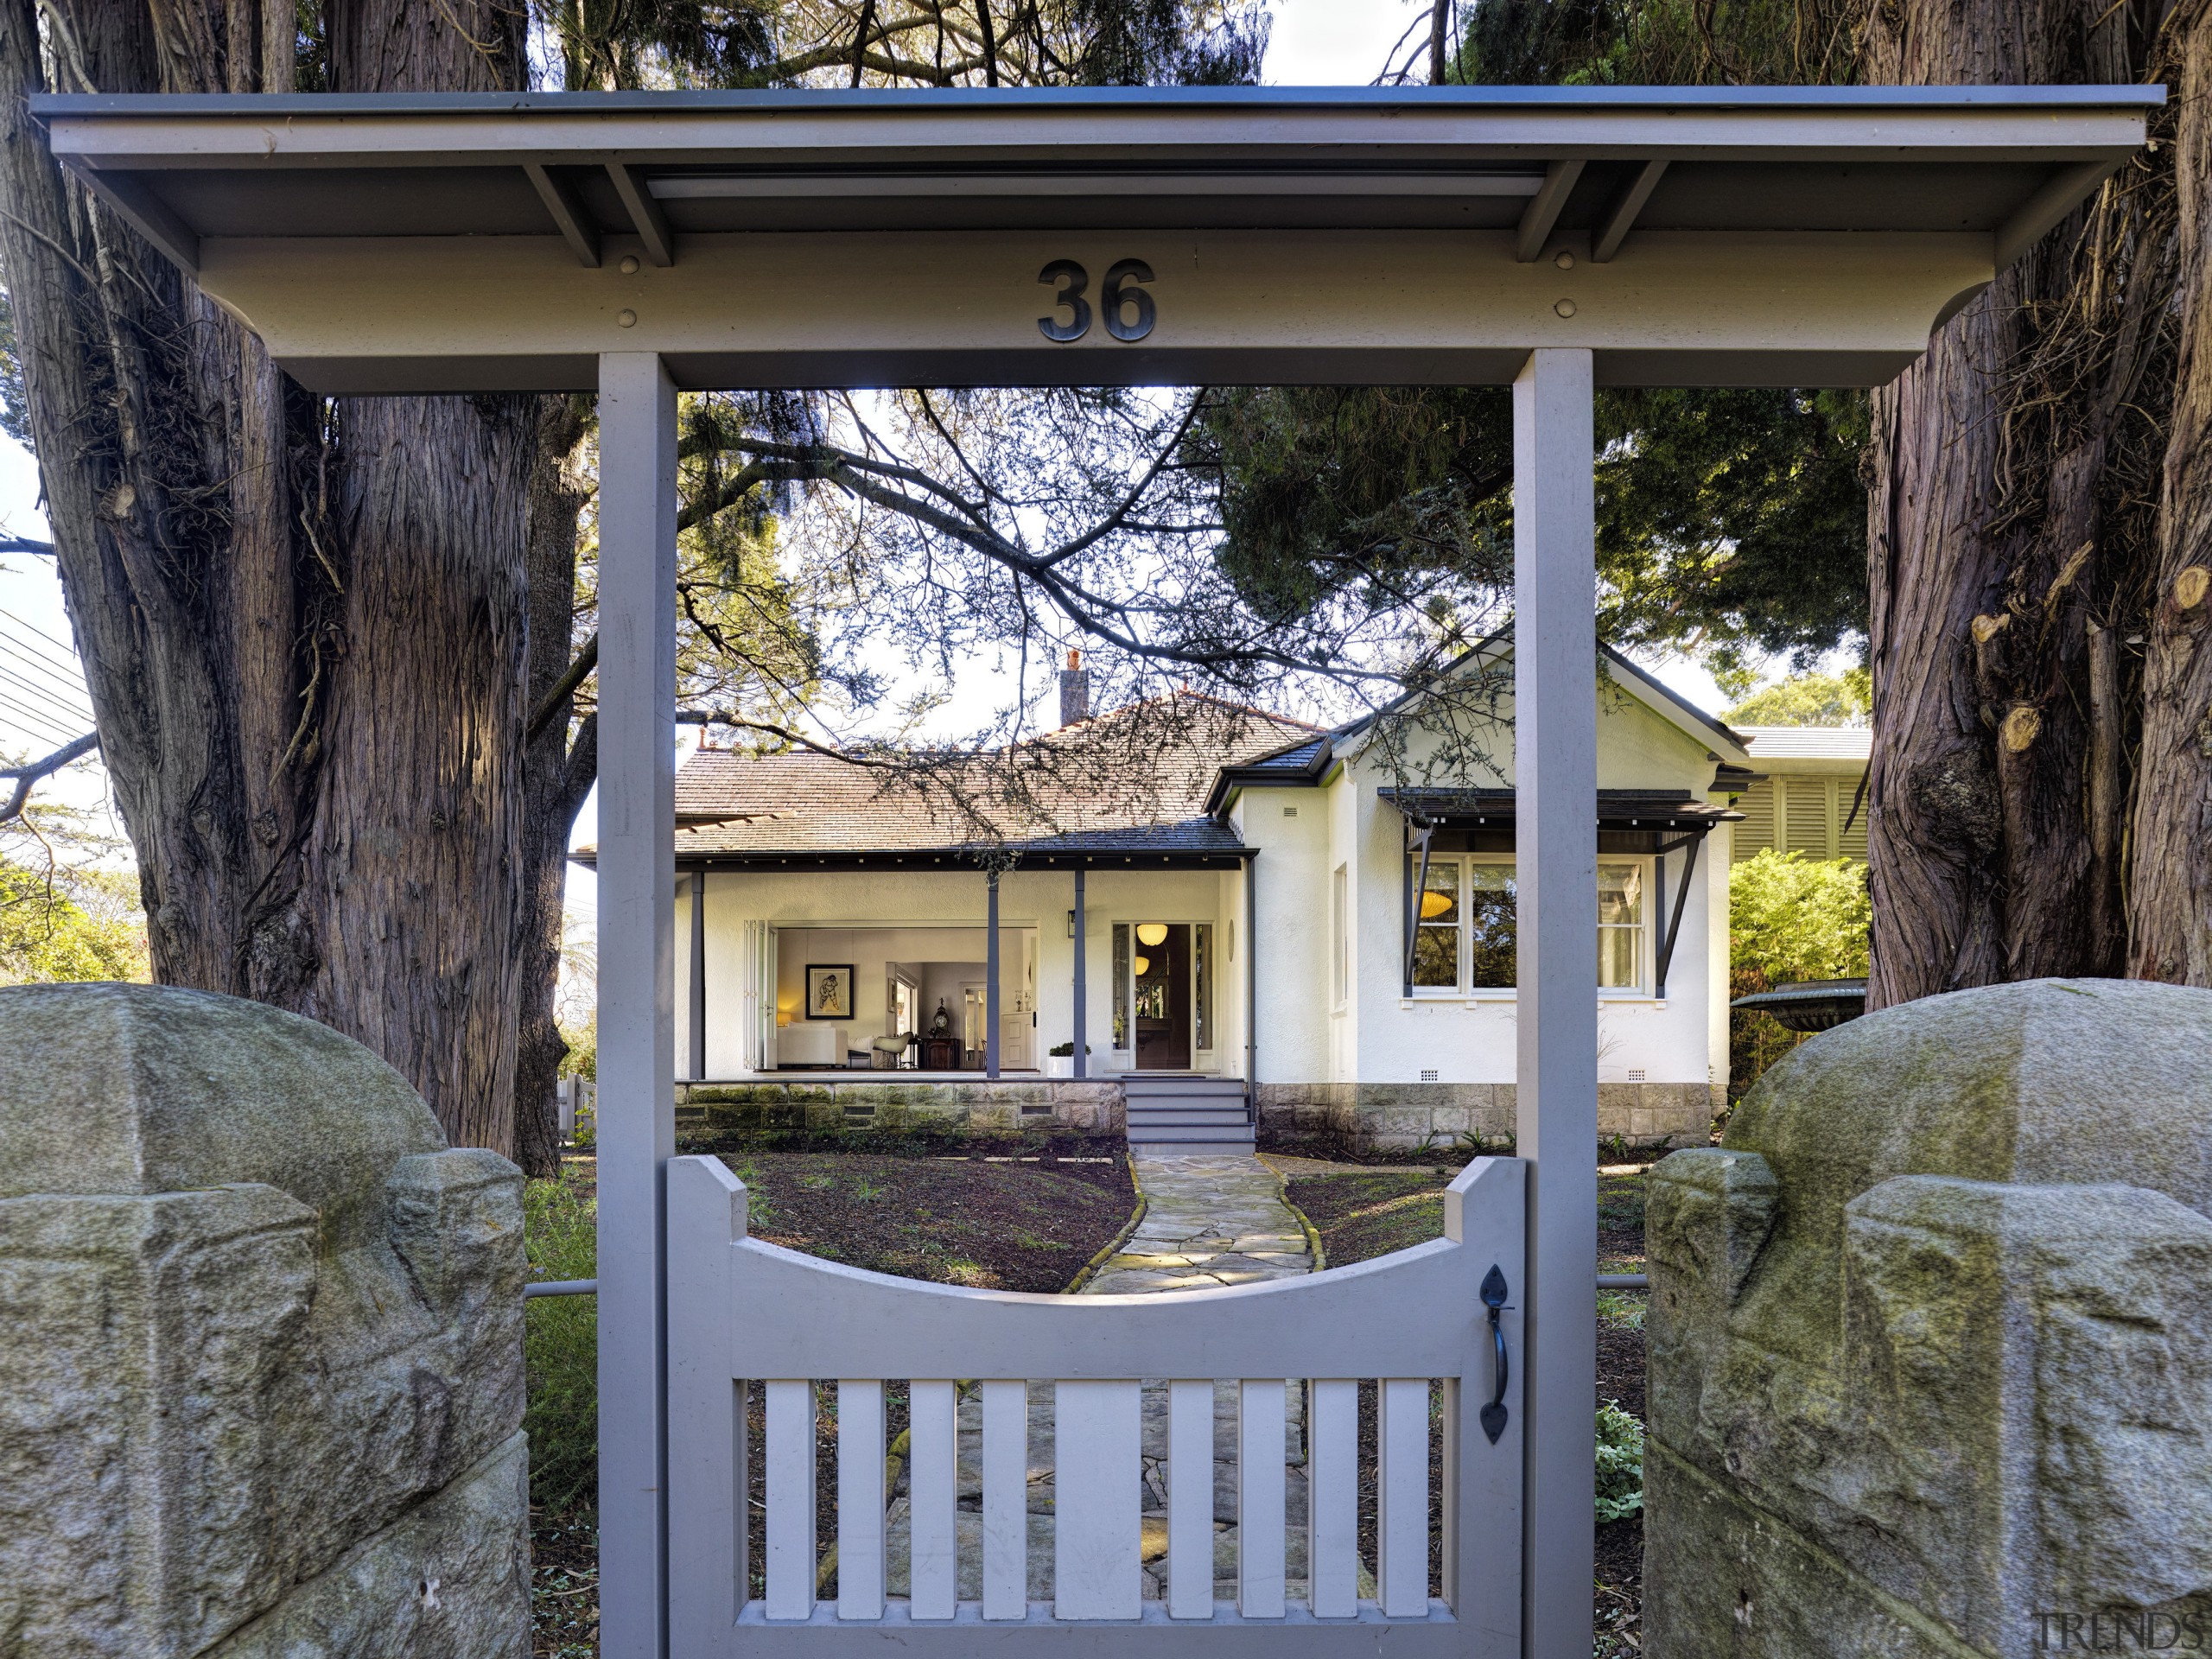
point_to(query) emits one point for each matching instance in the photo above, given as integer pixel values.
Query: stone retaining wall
(1091, 1107)
(1373, 1115)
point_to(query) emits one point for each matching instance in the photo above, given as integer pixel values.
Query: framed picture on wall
(829, 990)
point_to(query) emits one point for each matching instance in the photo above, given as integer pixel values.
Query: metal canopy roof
(474, 241)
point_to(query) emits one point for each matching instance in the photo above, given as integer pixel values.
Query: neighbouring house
(1806, 797)
(1300, 927)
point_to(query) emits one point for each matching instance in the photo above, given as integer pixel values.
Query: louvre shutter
(1757, 830)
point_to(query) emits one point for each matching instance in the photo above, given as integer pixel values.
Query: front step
(1188, 1116)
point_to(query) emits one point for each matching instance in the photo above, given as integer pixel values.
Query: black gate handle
(1493, 1294)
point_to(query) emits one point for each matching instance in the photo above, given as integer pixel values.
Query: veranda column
(991, 980)
(698, 986)
(637, 1001)
(1556, 773)
(1082, 1067)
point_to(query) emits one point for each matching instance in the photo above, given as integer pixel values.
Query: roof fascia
(1231, 781)
(1678, 710)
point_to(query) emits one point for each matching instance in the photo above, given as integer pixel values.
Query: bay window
(1465, 923)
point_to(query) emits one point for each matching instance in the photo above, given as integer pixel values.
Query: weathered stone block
(257, 1317)
(1930, 1354)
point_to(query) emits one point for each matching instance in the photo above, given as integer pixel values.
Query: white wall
(1382, 1035)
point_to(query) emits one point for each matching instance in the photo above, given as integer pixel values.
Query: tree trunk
(556, 778)
(2170, 894)
(2010, 539)
(305, 625)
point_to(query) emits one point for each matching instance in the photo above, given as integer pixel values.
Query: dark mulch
(1018, 1225)
(1363, 1214)
(563, 1587)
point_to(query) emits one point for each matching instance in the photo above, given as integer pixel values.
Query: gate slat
(1401, 1498)
(1096, 1476)
(931, 1491)
(1260, 1432)
(790, 1498)
(1332, 1497)
(1006, 1499)
(859, 1499)
(1190, 1500)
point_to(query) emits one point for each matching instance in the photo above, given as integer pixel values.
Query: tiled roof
(1047, 795)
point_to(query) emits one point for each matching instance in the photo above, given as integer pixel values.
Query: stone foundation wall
(1375, 1115)
(1091, 1107)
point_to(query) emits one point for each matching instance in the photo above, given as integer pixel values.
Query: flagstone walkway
(1208, 1222)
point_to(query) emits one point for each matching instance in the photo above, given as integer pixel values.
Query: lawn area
(1005, 1224)
(1362, 1214)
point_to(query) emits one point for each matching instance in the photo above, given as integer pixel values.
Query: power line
(32, 726)
(69, 693)
(38, 698)
(63, 644)
(64, 673)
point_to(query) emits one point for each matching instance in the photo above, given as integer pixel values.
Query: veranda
(641, 244)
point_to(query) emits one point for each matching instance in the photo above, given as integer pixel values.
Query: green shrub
(560, 1347)
(1620, 1463)
(1789, 917)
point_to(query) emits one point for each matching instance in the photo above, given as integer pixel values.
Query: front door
(1162, 976)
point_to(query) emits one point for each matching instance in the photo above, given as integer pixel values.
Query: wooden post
(1082, 985)
(637, 1016)
(1555, 774)
(698, 987)
(991, 980)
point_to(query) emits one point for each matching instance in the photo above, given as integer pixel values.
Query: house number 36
(1128, 309)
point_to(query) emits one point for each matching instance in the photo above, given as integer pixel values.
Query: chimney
(1075, 691)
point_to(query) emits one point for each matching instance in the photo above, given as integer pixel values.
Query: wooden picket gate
(1439, 1321)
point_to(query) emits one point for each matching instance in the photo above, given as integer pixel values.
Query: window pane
(1620, 892)
(1439, 901)
(1491, 926)
(1618, 949)
(1202, 972)
(1436, 957)
(1120, 984)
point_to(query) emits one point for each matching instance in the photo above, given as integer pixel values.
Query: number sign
(1129, 309)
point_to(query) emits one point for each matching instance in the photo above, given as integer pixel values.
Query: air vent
(1635, 1077)
(1428, 1074)
(1290, 811)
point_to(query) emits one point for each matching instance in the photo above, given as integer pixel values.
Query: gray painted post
(699, 1020)
(991, 977)
(1555, 772)
(637, 1010)
(1082, 989)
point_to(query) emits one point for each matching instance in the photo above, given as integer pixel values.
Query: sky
(1312, 43)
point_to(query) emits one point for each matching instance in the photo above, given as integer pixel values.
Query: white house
(1313, 925)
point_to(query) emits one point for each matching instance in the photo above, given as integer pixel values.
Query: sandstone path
(1208, 1222)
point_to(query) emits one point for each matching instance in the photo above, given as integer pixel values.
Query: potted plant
(1059, 1060)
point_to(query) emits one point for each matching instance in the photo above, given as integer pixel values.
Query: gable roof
(1057, 795)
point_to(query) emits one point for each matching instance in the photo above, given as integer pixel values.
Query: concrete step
(1194, 1148)
(1193, 1137)
(1176, 1083)
(1233, 1119)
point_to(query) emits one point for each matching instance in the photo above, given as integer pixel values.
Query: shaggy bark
(2011, 540)
(304, 625)
(2171, 907)
(555, 775)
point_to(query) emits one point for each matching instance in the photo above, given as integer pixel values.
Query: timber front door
(1161, 968)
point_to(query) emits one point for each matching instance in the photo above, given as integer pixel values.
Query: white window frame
(1464, 992)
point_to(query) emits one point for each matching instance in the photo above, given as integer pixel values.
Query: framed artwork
(829, 990)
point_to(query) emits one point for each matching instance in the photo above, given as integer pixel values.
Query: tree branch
(562, 690)
(29, 773)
